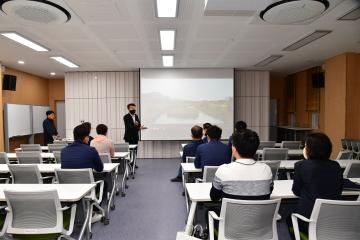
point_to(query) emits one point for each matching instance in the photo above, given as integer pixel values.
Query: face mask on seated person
(132, 111)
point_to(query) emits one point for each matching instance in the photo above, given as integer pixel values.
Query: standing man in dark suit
(132, 125)
(50, 131)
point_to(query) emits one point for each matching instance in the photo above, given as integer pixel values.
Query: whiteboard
(18, 120)
(39, 114)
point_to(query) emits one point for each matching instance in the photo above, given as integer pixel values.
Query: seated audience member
(101, 143)
(190, 149)
(88, 127)
(80, 154)
(214, 153)
(205, 128)
(317, 176)
(239, 125)
(245, 178)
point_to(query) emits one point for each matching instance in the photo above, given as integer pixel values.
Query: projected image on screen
(174, 100)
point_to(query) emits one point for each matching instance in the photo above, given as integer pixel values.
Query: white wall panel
(101, 97)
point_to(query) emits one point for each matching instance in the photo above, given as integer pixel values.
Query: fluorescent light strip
(166, 8)
(353, 15)
(65, 62)
(167, 40)
(268, 60)
(168, 61)
(306, 40)
(24, 41)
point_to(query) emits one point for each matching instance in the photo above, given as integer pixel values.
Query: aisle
(152, 209)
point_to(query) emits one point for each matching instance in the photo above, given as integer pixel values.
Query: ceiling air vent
(293, 11)
(35, 11)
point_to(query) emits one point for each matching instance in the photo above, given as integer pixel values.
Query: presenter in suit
(132, 125)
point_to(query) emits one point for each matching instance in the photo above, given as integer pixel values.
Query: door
(60, 118)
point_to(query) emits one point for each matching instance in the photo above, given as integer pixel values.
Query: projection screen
(173, 100)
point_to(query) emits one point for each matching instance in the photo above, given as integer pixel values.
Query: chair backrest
(352, 170)
(33, 212)
(3, 158)
(121, 147)
(354, 146)
(343, 144)
(243, 220)
(105, 157)
(57, 156)
(56, 147)
(29, 157)
(190, 159)
(75, 176)
(274, 165)
(344, 155)
(25, 173)
(275, 154)
(291, 144)
(209, 173)
(30, 147)
(333, 219)
(266, 144)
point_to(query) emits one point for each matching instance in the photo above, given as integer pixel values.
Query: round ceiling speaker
(293, 11)
(35, 11)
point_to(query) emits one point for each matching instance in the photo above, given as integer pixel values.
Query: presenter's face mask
(132, 111)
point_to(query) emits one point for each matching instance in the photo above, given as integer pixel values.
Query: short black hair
(49, 112)
(318, 146)
(197, 132)
(101, 129)
(131, 105)
(214, 132)
(80, 132)
(206, 126)
(246, 143)
(240, 125)
(87, 125)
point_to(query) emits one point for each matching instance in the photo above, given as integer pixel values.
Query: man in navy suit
(80, 154)
(214, 153)
(190, 149)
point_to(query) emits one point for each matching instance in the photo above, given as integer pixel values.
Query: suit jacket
(131, 130)
(214, 153)
(80, 155)
(316, 179)
(190, 149)
(49, 131)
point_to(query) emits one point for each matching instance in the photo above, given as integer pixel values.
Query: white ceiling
(124, 34)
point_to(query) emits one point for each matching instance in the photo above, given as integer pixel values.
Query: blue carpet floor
(153, 209)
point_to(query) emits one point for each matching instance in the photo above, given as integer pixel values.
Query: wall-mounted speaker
(9, 82)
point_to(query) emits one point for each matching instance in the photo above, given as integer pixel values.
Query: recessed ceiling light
(24, 41)
(167, 40)
(268, 60)
(166, 8)
(65, 62)
(21, 62)
(168, 61)
(306, 40)
(52, 74)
